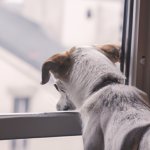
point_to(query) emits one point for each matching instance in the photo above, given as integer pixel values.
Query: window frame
(33, 125)
(127, 38)
(140, 47)
(138, 70)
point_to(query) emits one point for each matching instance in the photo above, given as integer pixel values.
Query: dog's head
(80, 69)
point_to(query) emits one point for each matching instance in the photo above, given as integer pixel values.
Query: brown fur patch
(58, 64)
(61, 57)
(111, 51)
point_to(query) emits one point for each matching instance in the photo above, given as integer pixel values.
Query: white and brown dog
(115, 116)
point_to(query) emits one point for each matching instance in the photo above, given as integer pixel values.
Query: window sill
(31, 125)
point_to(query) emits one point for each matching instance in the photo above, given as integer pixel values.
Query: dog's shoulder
(116, 96)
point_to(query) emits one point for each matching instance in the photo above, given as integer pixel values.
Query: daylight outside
(33, 30)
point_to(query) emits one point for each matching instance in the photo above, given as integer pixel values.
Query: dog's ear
(58, 64)
(111, 51)
(47, 66)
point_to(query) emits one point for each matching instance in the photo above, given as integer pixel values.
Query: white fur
(110, 113)
(89, 65)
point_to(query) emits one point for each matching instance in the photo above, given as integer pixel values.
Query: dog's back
(123, 116)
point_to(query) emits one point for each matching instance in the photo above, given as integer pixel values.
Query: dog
(114, 116)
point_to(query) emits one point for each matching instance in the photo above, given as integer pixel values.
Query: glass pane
(33, 30)
(59, 143)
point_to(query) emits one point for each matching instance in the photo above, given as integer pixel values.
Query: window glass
(33, 30)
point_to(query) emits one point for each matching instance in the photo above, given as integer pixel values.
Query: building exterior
(78, 22)
(20, 89)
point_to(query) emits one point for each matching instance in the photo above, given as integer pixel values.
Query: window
(21, 104)
(19, 144)
(42, 28)
(126, 38)
(89, 13)
(38, 29)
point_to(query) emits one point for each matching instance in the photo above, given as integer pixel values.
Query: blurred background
(33, 30)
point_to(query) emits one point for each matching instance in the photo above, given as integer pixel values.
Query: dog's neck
(107, 81)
